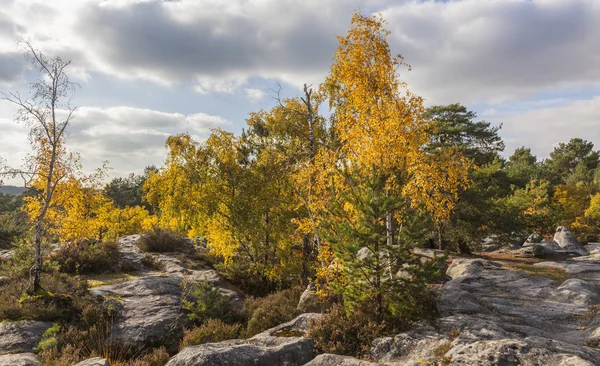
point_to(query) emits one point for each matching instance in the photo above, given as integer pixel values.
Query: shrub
(271, 310)
(13, 225)
(161, 240)
(343, 334)
(209, 303)
(85, 257)
(213, 330)
(64, 298)
(152, 262)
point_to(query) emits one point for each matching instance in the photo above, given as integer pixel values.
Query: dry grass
(559, 275)
(507, 257)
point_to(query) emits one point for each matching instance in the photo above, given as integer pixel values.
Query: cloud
(467, 50)
(255, 95)
(129, 138)
(544, 128)
(474, 51)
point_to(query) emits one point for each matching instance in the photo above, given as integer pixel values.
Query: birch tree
(46, 112)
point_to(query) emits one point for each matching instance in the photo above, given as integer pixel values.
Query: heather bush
(212, 330)
(271, 310)
(85, 257)
(161, 240)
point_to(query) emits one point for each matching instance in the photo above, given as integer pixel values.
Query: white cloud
(129, 138)
(543, 129)
(255, 95)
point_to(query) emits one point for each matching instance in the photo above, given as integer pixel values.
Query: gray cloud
(468, 50)
(474, 51)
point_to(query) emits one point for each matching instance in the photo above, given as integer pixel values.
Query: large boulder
(566, 240)
(264, 349)
(19, 359)
(21, 336)
(149, 311)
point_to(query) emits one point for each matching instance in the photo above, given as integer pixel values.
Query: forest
(333, 188)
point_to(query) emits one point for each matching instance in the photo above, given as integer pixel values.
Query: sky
(148, 68)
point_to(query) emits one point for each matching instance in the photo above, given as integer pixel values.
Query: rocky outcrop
(96, 361)
(328, 359)
(150, 303)
(497, 316)
(21, 336)
(265, 349)
(19, 359)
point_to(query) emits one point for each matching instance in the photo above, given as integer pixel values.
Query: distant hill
(12, 189)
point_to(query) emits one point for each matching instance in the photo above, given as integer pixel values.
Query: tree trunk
(35, 284)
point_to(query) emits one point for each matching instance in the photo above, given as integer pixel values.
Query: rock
(309, 300)
(149, 313)
(579, 292)
(3, 280)
(265, 348)
(21, 336)
(468, 267)
(150, 304)
(19, 359)
(6, 255)
(547, 249)
(497, 316)
(592, 248)
(328, 359)
(415, 347)
(566, 240)
(532, 239)
(96, 361)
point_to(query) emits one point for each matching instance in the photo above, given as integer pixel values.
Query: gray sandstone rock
(21, 336)
(96, 361)
(578, 291)
(150, 310)
(19, 359)
(328, 359)
(266, 348)
(566, 240)
(497, 316)
(309, 300)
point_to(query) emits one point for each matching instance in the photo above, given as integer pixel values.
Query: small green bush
(343, 334)
(209, 303)
(84, 257)
(48, 339)
(271, 310)
(161, 240)
(213, 330)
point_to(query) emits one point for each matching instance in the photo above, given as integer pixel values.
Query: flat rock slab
(19, 359)
(21, 336)
(498, 316)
